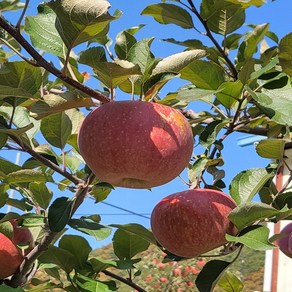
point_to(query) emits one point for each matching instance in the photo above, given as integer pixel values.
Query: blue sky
(277, 13)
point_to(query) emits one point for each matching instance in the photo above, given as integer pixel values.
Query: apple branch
(209, 34)
(14, 32)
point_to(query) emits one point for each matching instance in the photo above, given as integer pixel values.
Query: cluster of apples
(11, 253)
(138, 144)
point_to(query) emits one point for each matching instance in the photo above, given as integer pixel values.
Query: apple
(10, 257)
(193, 222)
(135, 144)
(285, 243)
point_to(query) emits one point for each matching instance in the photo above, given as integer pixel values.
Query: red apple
(10, 257)
(193, 222)
(285, 243)
(135, 144)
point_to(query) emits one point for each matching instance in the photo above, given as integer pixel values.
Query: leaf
(7, 167)
(285, 53)
(169, 14)
(210, 275)
(89, 285)
(138, 230)
(250, 212)
(222, 17)
(99, 265)
(229, 93)
(59, 213)
(80, 21)
(19, 79)
(57, 129)
(4, 288)
(255, 237)
(60, 257)
(203, 74)
(100, 191)
(192, 93)
(43, 33)
(247, 183)
(40, 194)
(175, 63)
(230, 282)
(248, 3)
(98, 231)
(27, 175)
(126, 245)
(271, 148)
(191, 43)
(276, 104)
(77, 246)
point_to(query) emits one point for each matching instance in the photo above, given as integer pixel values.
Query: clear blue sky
(277, 13)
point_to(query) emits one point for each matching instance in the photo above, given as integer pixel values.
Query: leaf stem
(22, 15)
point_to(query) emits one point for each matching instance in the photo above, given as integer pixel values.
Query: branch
(214, 41)
(49, 67)
(123, 280)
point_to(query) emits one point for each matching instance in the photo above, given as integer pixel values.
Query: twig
(49, 67)
(22, 15)
(123, 280)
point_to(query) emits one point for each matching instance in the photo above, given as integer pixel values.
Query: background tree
(44, 99)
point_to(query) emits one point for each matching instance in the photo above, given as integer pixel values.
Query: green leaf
(203, 74)
(19, 79)
(229, 93)
(40, 194)
(60, 257)
(247, 183)
(27, 175)
(138, 230)
(276, 104)
(175, 63)
(248, 3)
(222, 17)
(229, 282)
(210, 275)
(3, 194)
(7, 167)
(250, 212)
(57, 129)
(273, 62)
(99, 265)
(59, 213)
(271, 148)
(4, 288)
(100, 191)
(88, 285)
(126, 245)
(98, 231)
(8, 5)
(191, 93)
(169, 14)
(285, 53)
(77, 246)
(80, 21)
(255, 237)
(232, 41)
(43, 33)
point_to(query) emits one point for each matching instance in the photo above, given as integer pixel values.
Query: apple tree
(82, 141)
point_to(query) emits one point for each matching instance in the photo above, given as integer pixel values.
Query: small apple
(135, 144)
(10, 257)
(285, 243)
(193, 222)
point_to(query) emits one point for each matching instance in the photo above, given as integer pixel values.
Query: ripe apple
(135, 144)
(285, 243)
(10, 257)
(193, 222)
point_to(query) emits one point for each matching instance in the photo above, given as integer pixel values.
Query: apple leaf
(248, 3)
(250, 212)
(60, 257)
(43, 33)
(3, 194)
(210, 275)
(4, 288)
(229, 93)
(190, 93)
(88, 284)
(169, 14)
(59, 213)
(229, 282)
(283, 199)
(7, 167)
(40, 194)
(126, 245)
(223, 17)
(285, 53)
(138, 230)
(255, 237)
(247, 183)
(99, 264)
(203, 74)
(98, 231)
(271, 148)
(77, 246)
(57, 129)
(27, 175)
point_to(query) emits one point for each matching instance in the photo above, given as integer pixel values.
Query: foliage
(44, 99)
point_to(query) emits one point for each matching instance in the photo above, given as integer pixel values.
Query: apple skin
(10, 257)
(135, 144)
(193, 222)
(285, 243)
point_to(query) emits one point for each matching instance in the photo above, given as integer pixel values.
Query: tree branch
(46, 65)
